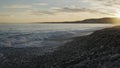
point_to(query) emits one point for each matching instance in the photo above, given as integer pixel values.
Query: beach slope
(101, 49)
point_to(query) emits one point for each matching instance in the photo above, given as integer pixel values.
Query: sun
(117, 15)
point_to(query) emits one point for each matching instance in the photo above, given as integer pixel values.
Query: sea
(43, 35)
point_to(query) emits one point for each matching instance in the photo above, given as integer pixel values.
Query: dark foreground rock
(101, 49)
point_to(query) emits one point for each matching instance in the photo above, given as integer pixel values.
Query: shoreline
(98, 50)
(91, 51)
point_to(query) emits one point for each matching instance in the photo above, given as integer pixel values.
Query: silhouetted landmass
(99, 20)
(101, 49)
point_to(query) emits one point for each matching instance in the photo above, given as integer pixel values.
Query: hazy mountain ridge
(105, 20)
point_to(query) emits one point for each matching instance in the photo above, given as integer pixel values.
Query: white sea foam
(38, 35)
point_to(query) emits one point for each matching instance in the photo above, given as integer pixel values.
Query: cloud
(40, 12)
(109, 3)
(41, 4)
(56, 10)
(108, 7)
(16, 6)
(4, 15)
(74, 10)
(66, 9)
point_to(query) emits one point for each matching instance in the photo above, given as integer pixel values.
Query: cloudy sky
(22, 11)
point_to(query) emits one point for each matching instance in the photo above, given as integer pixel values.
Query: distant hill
(100, 20)
(97, 20)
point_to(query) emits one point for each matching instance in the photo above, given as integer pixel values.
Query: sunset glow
(117, 15)
(22, 11)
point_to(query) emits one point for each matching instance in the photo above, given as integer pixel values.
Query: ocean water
(43, 35)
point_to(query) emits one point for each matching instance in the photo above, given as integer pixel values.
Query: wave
(38, 39)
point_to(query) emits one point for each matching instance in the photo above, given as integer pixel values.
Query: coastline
(97, 50)
(101, 49)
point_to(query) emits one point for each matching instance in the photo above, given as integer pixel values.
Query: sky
(26, 11)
